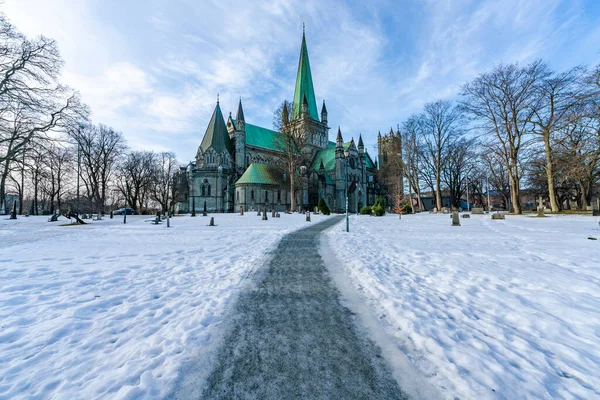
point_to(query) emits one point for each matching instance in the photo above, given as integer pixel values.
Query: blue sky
(152, 69)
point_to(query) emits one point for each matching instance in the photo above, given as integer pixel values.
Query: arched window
(252, 195)
(279, 196)
(238, 196)
(266, 196)
(203, 191)
(208, 190)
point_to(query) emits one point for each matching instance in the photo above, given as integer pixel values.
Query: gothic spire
(338, 140)
(360, 142)
(304, 86)
(240, 113)
(216, 135)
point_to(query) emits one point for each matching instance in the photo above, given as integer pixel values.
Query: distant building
(240, 165)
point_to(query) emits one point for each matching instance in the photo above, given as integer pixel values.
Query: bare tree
(457, 168)
(290, 143)
(163, 185)
(502, 102)
(440, 125)
(99, 149)
(138, 168)
(32, 101)
(412, 154)
(558, 94)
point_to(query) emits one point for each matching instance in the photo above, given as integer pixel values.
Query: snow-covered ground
(492, 309)
(108, 310)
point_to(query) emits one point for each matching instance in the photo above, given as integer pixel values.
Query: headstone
(111, 214)
(477, 210)
(241, 210)
(540, 207)
(212, 221)
(273, 214)
(596, 208)
(84, 216)
(13, 214)
(204, 210)
(264, 214)
(455, 219)
(498, 215)
(308, 216)
(277, 215)
(193, 206)
(53, 218)
(258, 214)
(466, 216)
(168, 220)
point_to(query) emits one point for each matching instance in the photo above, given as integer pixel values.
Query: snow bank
(491, 309)
(108, 310)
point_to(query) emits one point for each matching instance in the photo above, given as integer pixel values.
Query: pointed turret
(339, 141)
(304, 86)
(216, 135)
(324, 113)
(361, 146)
(240, 114)
(285, 114)
(391, 132)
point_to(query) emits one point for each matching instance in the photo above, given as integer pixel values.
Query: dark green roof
(262, 174)
(304, 86)
(216, 135)
(327, 156)
(258, 136)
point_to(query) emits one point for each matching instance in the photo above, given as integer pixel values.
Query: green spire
(304, 86)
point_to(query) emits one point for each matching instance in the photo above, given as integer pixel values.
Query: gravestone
(111, 214)
(258, 214)
(277, 215)
(466, 216)
(241, 210)
(84, 216)
(168, 220)
(455, 219)
(204, 210)
(193, 206)
(53, 218)
(540, 207)
(498, 215)
(212, 221)
(308, 216)
(264, 214)
(596, 208)
(273, 214)
(13, 214)
(477, 210)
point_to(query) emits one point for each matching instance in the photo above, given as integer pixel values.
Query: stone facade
(240, 165)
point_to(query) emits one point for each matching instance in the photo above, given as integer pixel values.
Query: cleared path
(292, 339)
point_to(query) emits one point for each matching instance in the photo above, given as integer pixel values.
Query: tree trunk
(514, 194)
(292, 192)
(550, 173)
(438, 192)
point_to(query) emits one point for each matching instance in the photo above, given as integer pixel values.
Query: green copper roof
(216, 135)
(304, 86)
(327, 156)
(261, 174)
(258, 136)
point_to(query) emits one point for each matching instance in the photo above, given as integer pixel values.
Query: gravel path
(292, 339)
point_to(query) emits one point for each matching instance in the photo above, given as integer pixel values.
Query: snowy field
(489, 310)
(113, 311)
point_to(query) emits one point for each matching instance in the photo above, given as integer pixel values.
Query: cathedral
(240, 165)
